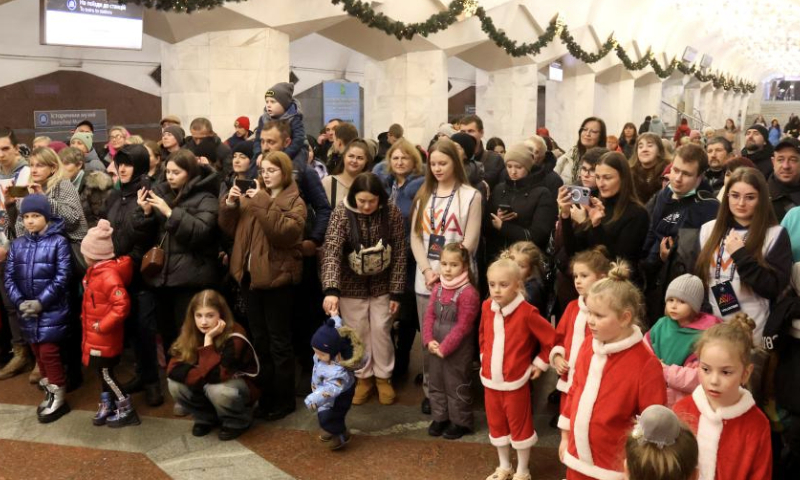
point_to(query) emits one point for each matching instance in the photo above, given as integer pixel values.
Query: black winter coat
(536, 214)
(191, 235)
(134, 234)
(783, 197)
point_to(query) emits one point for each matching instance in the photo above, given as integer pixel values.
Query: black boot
(124, 416)
(152, 394)
(134, 385)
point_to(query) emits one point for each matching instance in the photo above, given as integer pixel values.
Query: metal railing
(696, 123)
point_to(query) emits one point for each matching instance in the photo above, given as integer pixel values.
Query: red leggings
(48, 357)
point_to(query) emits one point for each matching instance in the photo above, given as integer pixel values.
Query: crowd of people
(655, 275)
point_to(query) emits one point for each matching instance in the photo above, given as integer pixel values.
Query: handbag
(154, 260)
(371, 260)
(255, 356)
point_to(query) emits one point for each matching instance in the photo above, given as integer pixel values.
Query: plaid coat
(337, 276)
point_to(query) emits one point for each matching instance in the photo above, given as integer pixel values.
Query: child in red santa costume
(511, 331)
(732, 433)
(587, 268)
(616, 378)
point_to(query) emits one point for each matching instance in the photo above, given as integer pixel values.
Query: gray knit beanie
(688, 288)
(282, 92)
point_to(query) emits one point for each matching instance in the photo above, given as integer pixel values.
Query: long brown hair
(661, 156)
(763, 219)
(186, 161)
(191, 339)
(635, 134)
(428, 188)
(357, 143)
(627, 194)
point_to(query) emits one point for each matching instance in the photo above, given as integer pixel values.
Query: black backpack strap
(334, 182)
(355, 234)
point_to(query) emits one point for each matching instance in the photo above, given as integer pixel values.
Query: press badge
(725, 298)
(435, 247)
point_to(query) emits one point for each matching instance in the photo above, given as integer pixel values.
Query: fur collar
(508, 309)
(738, 409)
(619, 346)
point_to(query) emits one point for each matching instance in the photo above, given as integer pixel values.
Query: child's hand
(562, 447)
(313, 407)
(96, 326)
(214, 332)
(536, 372)
(438, 353)
(561, 365)
(433, 346)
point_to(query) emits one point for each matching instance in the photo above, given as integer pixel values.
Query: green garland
(440, 21)
(435, 23)
(576, 51)
(500, 38)
(180, 6)
(630, 64)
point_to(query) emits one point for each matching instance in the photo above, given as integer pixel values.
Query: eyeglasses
(587, 171)
(269, 171)
(737, 198)
(118, 136)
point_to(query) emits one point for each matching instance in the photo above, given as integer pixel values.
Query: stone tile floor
(389, 442)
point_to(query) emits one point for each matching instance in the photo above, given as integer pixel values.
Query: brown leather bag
(154, 260)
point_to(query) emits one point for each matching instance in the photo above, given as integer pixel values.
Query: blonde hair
(191, 339)
(531, 252)
(409, 149)
(42, 138)
(135, 140)
(619, 292)
(649, 461)
(737, 332)
(511, 266)
(49, 158)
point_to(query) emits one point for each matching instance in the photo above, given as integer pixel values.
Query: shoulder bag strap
(334, 182)
(255, 355)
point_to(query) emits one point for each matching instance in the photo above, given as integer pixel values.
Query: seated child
(673, 336)
(281, 105)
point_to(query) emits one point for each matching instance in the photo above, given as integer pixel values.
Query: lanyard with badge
(723, 291)
(436, 244)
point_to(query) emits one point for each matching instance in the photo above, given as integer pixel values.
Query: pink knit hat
(97, 244)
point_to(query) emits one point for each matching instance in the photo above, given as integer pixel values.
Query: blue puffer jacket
(38, 268)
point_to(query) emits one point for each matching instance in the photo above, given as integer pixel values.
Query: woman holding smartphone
(267, 222)
(616, 219)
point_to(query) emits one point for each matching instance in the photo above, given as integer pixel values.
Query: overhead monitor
(91, 23)
(689, 54)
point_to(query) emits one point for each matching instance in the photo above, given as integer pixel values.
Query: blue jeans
(224, 403)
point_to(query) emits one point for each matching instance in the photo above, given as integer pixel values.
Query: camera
(579, 195)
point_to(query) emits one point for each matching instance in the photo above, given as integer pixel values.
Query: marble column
(729, 108)
(614, 93)
(222, 75)
(410, 89)
(717, 105)
(506, 101)
(706, 97)
(569, 102)
(646, 99)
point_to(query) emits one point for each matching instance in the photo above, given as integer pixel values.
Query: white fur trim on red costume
(563, 423)
(498, 382)
(540, 364)
(500, 441)
(582, 417)
(557, 350)
(591, 470)
(710, 424)
(578, 336)
(523, 444)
